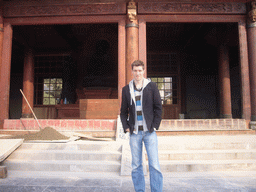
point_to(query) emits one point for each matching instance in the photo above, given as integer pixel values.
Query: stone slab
(7, 146)
(195, 182)
(3, 172)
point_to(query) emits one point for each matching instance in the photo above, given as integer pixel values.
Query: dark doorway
(68, 59)
(183, 59)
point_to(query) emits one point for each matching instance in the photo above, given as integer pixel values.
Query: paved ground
(124, 184)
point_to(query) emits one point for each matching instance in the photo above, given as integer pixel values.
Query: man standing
(141, 111)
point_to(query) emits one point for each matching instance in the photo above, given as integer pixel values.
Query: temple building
(72, 58)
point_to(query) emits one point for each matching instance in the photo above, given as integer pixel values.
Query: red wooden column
(251, 34)
(143, 43)
(245, 83)
(121, 58)
(5, 73)
(28, 84)
(1, 47)
(132, 39)
(252, 65)
(224, 79)
(1, 31)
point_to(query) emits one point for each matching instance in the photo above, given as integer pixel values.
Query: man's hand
(127, 130)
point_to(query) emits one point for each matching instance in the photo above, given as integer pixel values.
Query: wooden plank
(91, 137)
(8, 146)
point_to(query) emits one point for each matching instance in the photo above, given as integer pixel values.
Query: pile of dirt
(47, 133)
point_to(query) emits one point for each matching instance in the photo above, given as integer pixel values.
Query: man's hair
(138, 63)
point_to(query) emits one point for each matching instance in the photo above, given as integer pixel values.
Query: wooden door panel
(171, 111)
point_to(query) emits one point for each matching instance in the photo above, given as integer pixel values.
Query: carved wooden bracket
(132, 11)
(252, 13)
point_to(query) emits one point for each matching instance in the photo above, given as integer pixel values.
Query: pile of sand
(47, 133)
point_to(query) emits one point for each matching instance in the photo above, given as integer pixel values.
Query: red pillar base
(253, 125)
(27, 116)
(226, 116)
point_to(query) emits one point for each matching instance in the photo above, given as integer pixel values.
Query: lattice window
(48, 81)
(52, 91)
(163, 68)
(168, 88)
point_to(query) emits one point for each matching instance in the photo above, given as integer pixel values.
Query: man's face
(138, 73)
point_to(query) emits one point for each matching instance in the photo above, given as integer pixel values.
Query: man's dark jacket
(151, 106)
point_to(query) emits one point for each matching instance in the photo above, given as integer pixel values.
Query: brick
(97, 125)
(3, 172)
(113, 125)
(106, 125)
(77, 124)
(24, 123)
(57, 124)
(12, 124)
(179, 123)
(171, 124)
(194, 124)
(165, 124)
(91, 124)
(228, 122)
(187, 123)
(64, 124)
(17, 124)
(43, 123)
(222, 122)
(70, 124)
(84, 124)
(214, 122)
(207, 123)
(6, 124)
(31, 124)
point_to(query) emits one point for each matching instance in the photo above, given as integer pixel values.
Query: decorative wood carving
(191, 8)
(252, 13)
(131, 11)
(63, 9)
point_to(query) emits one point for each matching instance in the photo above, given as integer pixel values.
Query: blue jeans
(151, 144)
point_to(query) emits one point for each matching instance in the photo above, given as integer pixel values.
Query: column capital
(132, 12)
(251, 20)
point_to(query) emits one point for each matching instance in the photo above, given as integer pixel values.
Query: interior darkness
(94, 52)
(85, 44)
(196, 45)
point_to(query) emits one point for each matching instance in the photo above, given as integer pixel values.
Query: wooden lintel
(191, 8)
(64, 20)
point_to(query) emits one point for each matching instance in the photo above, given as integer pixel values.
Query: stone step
(74, 158)
(62, 174)
(203, 124)
(63, 166)
(66, 155)
(207, 142)
(207, 154)
(192, 132)
(97, 175)
(208, 165)
(75, 146)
